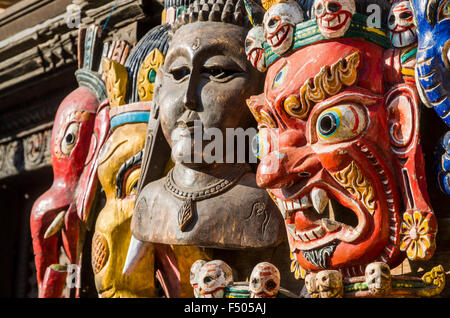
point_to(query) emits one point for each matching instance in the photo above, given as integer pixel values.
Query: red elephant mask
(55, 211)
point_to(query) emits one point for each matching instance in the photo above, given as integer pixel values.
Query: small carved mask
(401, 25)
(195, 275)
(279, 23)
(264, 281)
(254, 48)
(311, 286)
(378, 278)
(334, 16)
(213, 278)
(330, 284)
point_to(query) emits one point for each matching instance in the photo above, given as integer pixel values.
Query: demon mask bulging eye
(340, 123)
(70, 138)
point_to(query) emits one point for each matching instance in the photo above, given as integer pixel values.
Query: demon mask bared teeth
(254, 48)
(279, 22)
(334, 17)
(340, 156)
(401, 25)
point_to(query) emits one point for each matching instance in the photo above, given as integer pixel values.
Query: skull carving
(311, 286)
(279, 22)
(195, 275)
(214, 276)
(378, 278)
(330, 284)
(334, 17)
(401, 25)
(254, 49)
(264, 281)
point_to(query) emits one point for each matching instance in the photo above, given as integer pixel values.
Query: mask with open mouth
(334, 16)
(279, 22)
(401, 25)
(254, 48)
(339, 144)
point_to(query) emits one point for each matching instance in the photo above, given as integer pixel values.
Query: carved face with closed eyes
(206, 77)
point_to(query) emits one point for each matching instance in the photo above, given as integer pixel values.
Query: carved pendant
(186, 214)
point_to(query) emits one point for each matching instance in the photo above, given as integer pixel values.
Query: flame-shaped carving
(355, 182)
(327, 83)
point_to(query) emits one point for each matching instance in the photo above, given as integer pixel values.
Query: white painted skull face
(214, 276)
(378, 278)
(264, 281)
(279, 23)
(334, 16)
(254, 48)
(330, 284)
(195, 275)
(401, 25)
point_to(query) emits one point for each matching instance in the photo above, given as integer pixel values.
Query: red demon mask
(340, 156)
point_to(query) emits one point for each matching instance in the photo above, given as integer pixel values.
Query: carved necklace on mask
(186, 212)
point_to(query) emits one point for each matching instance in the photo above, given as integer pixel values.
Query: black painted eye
(405, 15)
(248, 43)
(180, 73)
(328, 124)
(273, 22)
(207, 279)
(70, 138)
(333, 7)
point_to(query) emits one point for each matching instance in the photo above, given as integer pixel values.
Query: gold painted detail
(267, 4)
(419, 238)
(116, 79)
(100, 252)
(299, 272)
(328, 82)
(147, 74)
(354, 182)
(435, 279)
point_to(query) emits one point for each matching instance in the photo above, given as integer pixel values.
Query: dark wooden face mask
(206, 77)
